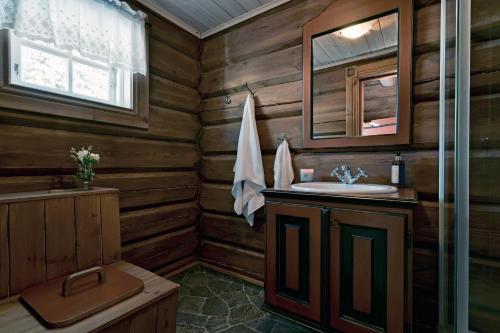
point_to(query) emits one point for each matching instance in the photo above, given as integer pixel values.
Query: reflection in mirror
(355, 79)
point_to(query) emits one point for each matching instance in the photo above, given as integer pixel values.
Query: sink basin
(340, 188)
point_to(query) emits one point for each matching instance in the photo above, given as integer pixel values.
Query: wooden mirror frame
(343, 13)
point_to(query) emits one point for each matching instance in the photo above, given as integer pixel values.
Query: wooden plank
(167, 312)
(176, 267)
(33, 183)
(221, 116)
(279, 67)
(219, 168)
(426, 27)
(146, 180)
(4, 251)
(217, 197)
(224, 138)
(60, 236)
(233, 230)
(24, 148)
(274, 31)
(290, 92)
(144, 320)
(122, 326)
(174, 124)
(88, 231)
(13, 117)
(153, 221)
(170, 94)
(110, 228)
(158, 251)
(362, 274)
(155, 196)
(168, 33)
(292, 241)
(234, 258)
(171, 64)
(137, 181)
(27, 245)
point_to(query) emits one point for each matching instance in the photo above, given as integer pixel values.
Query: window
(92, 64)
(41, 66)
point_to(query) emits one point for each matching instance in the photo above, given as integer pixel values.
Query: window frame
(24, 98)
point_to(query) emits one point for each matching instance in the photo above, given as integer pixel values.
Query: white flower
(95, 157)
(82, 154)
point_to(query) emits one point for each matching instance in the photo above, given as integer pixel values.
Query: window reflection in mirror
(355, 79)
(379, 100)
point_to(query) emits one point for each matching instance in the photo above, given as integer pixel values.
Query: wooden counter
(403, 196)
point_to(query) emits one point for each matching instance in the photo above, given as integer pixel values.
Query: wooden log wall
(155, 169)
(266, 52)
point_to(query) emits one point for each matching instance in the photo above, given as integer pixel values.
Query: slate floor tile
(210, 301)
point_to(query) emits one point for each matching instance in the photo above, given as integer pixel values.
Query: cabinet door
(367, 271)
(293, 259)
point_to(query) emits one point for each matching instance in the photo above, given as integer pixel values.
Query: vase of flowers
(85, 160)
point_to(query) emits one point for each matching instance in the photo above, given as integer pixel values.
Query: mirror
(354, 86)
(355, 79)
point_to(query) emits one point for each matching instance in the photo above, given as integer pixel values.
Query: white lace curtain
(104, 30)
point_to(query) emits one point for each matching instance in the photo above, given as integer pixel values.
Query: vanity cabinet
(293, 267)
(367, 271)
(340, 263)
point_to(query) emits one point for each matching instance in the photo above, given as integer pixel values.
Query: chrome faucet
(347, 178)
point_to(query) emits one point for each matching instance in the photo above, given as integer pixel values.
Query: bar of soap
(306, 175)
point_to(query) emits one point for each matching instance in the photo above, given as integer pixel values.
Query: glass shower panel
(469, 225)
(484, 214)
(447, 166)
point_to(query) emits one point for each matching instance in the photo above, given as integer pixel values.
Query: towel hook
(284, 137)
(248, 88)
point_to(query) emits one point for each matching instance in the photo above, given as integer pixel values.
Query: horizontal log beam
(170, 94)
(233, 230)
(161, 250)
(153, 221)
(242, 261)
(37, 148)
(171, 64)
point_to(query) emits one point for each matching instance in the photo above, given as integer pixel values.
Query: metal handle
(70, 279)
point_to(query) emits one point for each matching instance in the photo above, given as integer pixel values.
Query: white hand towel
(248, 170)
(283, 171)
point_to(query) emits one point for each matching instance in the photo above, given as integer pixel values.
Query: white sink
(340, 188)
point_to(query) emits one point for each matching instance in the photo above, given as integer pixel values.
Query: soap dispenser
(398, 171)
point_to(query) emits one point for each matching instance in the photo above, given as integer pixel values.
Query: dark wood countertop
(403, 196)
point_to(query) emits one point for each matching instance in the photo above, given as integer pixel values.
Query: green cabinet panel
(378, 238)
(285, 245)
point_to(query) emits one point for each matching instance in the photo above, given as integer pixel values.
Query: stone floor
(213, 302)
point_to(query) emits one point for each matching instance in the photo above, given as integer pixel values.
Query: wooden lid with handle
(66, 300)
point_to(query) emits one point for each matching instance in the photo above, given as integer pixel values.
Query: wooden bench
(153, 310)
(47, 234)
